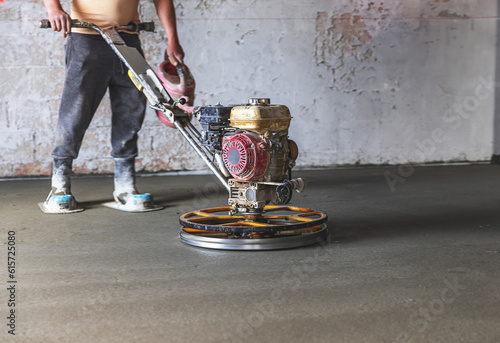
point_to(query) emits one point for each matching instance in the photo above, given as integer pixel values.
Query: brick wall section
(367, 82)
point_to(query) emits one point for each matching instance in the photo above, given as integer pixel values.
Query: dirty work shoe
(60, 199)
(134, 202)
(60, 204)
(126, 196)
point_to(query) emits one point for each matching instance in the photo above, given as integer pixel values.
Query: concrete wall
(367, 82)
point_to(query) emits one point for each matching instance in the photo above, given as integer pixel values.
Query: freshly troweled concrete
(367, 82)
(413, 260)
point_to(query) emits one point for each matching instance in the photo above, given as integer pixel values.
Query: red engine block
(245, 156)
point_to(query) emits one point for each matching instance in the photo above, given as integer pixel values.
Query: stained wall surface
(367, 82)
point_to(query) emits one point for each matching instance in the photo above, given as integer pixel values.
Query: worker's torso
(105, 13)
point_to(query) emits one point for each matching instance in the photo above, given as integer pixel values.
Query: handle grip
(180, 71)
(148, 26)
(44, 24)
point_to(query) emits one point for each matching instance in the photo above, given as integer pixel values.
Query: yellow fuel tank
(260, 116)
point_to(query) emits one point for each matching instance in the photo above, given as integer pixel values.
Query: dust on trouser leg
(124, 179)
(61, 176)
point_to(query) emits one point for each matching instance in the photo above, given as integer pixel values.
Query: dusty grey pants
(91, 68)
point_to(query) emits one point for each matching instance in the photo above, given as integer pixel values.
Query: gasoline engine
(251, 146)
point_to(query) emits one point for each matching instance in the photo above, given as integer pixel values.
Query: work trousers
(92, 67)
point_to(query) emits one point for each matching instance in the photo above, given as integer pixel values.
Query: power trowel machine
(245, 146)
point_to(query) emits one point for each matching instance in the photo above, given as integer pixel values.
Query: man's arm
(59, 19)
(166, 13)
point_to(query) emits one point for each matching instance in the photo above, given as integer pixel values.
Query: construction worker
(92, 68)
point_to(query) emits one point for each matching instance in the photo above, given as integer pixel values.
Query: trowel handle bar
(133, 27)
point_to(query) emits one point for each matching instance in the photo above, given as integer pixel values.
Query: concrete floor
(420, 264)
